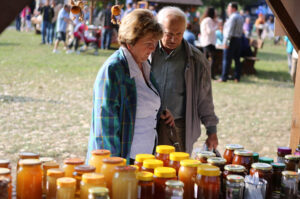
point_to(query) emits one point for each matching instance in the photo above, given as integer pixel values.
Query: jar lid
(84, 169)
(4, 171)
(29, 162)
(255, 155)
(99, 191)
(165, 172)
(174, 183)
(112, 160)
(208, 170)
(165, 149)
(290, 174)
(28, 155)
(234, 146)
(278, 165)
(46, 159)
(142, 157)
(58, 173)
(74, 161)
(178, 156)
(243, 153)
(125, 169)
(100, 152)
(50, 165)
(94, 178)
(235, 178)
(216, 160)
(190, 163)
(206, 154)
(152, 164)
(145, 176)
(292, 157)
(135, 166)
(266, 160)
(234, 168)
(285, 150)
(261, 166)
(4, 162)
(66, 182)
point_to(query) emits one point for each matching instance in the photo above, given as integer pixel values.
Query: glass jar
(96, 158)
(175, 158)
(174, 189)
(145, 185)
(124, 183)
(208, 182)
(27, 155)
(5, 164)
(229, 152)
(6, 173)
(289, 185)
(70, 164)
(187, 174)
(139, 159)
(243, 157)
(282, 152)
(163, 153)
(255, 157)
(66, 188)
(161, 176)
(90, 180)
(235, 187)
(292, 162)
(149, 165)
(219, 162)
(265, 172)
(77, 175)
(46, 166)
(277, 175)
(202, 156)
(4, 187)
(266, 160)
(233, 169)
(29, 179)
(46, 159)
(98, 193)
(52, 176)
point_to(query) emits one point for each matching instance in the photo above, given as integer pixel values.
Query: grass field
(46, 100)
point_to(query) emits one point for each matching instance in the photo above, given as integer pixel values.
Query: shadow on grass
(9, 44)
(274, 56)
(273, 75)
(21, 99)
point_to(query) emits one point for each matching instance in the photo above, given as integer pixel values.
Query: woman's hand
(168, 118)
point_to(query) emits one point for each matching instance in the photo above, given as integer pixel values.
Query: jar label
(195, 190)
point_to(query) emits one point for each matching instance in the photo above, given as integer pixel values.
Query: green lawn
(46, 100)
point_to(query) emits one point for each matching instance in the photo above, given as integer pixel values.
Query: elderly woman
(126, 101)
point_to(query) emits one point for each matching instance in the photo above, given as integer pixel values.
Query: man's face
(229, 9)
(174, 28)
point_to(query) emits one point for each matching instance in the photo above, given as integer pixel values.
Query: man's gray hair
(171, 11)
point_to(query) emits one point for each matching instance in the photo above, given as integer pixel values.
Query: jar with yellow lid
(90, 180)
(29, 179)
(139, 159)
(292, 162)
(202, 156)
(163, 153)
(66, 188)
(161, 176)
(52, 176)
(229, 152)
(5, 164)
(265, 172)
(27, 155)
(243, 157)
(77, 175)
(175, 158)
(124, 183)
(174, 189)
(187, 174)
(98, 193)
(46, 166)
(289, 185)
(4, 187)
(70, 164)
(145, 185)
(96, 158)
(150, 164)
(235, 187)
(6, 173)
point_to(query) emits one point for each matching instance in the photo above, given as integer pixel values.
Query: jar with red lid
(282, 152)
(265, 172)
(243, 157)
(77, 175)
(229, 152)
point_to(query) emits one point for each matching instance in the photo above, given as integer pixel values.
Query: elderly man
(183, 75)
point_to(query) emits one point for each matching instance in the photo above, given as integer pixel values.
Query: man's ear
(129, 46)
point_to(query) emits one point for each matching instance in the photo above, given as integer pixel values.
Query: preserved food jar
(276, 177)
(174, 189)
(46, 166)
(139, 159)
(5, 164)
(266, 160)
(219, 162)
(243, 157)
(235, 187)
(27, 155)
(292, 162)
(4, 187)
(208, 181)
(175, 158)
(96, 158)
(233, 169)
(289, 185)
(255, 157)
(29, 179)
(202, 156)
(70, 164)
(161, 176)
(77, 175)
(265, 172)
(6, 173)
(90, 180)
(297, 152)
(46, 159)
(124, 183)
(187, 174)
(66, 188)
(98, 193)
(229, 152)
(149, 165)
(52, 176)
(145, 185)
(282, 152)
(163, 153)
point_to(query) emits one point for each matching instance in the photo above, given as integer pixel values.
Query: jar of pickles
(96, 158)
(163, 153)
(282, 152)
(278, 168)
(292, 162)
(149, 165)
(187, 174)
(70, 164)
(202, 156)
(66, 188)
(46, 166)
(289, 185)
(265, 172)
(175, 158)
(139, 159)
(229, 152)
(6, 173)
(266, 160)
(52, 176)
(77, 175)
(174, 189)
(98, 193)
(5, 164)
(243, 157)
(90, 180)
(27, 155)
(145, 185)
(161, 176)
(235, 187)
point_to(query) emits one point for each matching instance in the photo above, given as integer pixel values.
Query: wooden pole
(92, 7)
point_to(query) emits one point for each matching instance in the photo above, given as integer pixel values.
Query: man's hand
(168, 118)
(212, 141)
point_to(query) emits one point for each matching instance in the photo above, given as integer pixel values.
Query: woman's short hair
(136, 25)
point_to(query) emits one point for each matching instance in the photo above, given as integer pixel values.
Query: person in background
(56, 9)
(129, 8)
(219, 35)
(289, 51)
(48, 13)
(247, 27)
(259, 25)
(107, 27)
(18, 22)
(152, 9)
(270, 27)
(86, 14)
(188, 35)
(27, 18)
